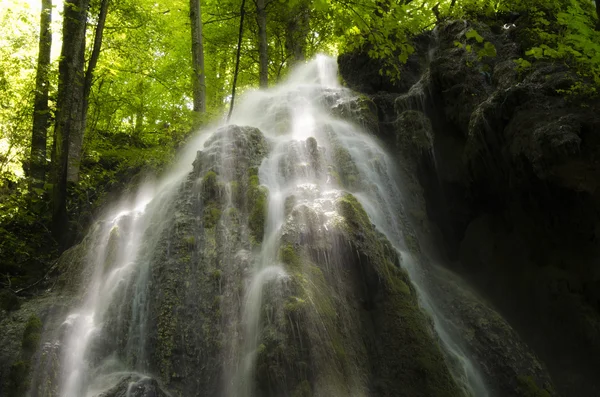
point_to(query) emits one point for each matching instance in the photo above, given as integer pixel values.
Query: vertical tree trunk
(297, 30)
(76, 139)
(199, 83)
(69, 106)
(263, 55)
(598, 14)
(237, 58)
(41, 112)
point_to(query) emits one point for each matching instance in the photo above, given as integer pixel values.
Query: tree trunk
(199, 83)
(237, 58)
(297, 30)
(76, 140)
(263, 55)
(69, 106)
(598, 14)
(41, 112)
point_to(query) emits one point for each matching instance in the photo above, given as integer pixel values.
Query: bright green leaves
(473, 34)
(558, 29)
(475, 43)
(320, 5)
(536, 52)
(522, 64)
(488, 50)
(354, 30)
(564, 31)
(381, 28)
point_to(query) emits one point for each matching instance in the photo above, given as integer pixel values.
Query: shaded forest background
(96, 95)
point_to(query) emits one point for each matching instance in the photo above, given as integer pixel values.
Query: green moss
(17, 378)
(19, 370)
(32, 334)
(258, 214)
(257, 206)
(210, 186)
(189, 241)
(397, 280)
(529, 388)
(234, 189)
(410, 354)
(303, 390)
(410, 348)
(356, 217)
(232, 212)
(212, 214)
(294, 304)
(216, 274)
(289, 256)
(346, 168)
(167, 325)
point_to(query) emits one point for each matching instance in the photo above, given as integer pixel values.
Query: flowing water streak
(291, 106)
(112, 264)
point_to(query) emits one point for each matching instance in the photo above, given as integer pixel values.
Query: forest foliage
(140, 108)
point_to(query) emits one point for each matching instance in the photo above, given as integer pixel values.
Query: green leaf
(472, 34)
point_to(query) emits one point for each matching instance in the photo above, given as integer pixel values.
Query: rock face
(351, 324)
(135, 386)
(338, 314)
(505, 173)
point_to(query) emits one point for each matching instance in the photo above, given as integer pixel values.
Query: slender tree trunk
(199, 81)
(41, 112)
(76, 139)
(237, 58)
(69, 106)
(263, 54)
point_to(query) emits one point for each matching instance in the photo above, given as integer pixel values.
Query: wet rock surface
(510, 192)
(135, 386)
(28, 328)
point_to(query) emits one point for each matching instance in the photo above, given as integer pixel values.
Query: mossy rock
(211, 187)
(410, 361)
(17, 378)
(348, 273)
(414, 132)
(529, 388)
(257, 197)
(32, 334)
(212, 214)
(9, 301)
(303, 390)
(360, 109)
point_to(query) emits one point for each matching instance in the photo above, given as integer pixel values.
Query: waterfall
(237, 273)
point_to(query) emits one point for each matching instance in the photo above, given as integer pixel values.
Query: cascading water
(246, 275)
